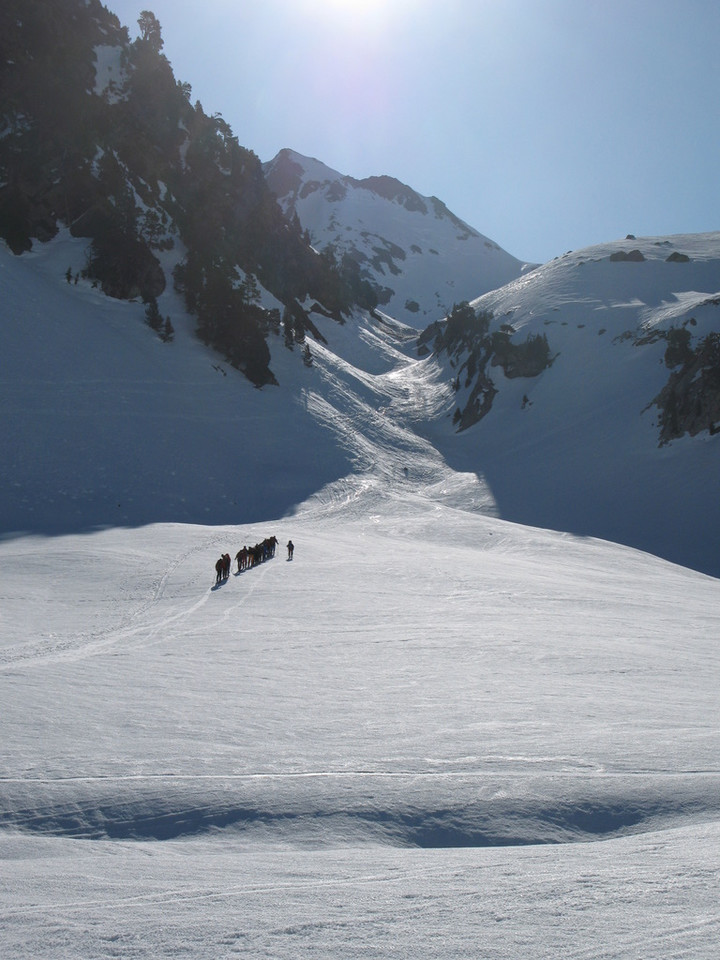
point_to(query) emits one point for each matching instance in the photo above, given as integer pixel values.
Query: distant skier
(290, 549)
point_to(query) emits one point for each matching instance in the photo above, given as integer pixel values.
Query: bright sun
(359, 12)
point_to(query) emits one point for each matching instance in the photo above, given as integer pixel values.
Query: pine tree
(150, 30)
(152, 314)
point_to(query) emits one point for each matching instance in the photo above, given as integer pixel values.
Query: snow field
(494, 652)
(291, 763)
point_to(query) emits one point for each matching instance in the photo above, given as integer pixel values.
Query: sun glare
(353, 7)
(359, 13)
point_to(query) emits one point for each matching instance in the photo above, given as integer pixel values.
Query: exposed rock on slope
(473, 347)
(646, 301)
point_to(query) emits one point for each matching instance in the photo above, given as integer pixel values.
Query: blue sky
(548, 125)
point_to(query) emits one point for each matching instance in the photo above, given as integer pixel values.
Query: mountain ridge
(418, 255)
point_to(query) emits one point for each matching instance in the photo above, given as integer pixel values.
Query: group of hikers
(249, 557)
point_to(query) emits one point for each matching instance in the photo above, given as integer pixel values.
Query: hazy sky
(547, 125)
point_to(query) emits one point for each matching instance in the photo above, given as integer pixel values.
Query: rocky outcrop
(690, 400)
(472, 348)
(627, 256)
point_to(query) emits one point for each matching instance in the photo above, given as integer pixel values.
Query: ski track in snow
(137, 623)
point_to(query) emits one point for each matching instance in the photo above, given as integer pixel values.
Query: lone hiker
(290, 549)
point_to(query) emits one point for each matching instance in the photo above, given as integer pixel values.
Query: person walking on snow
(290, 549)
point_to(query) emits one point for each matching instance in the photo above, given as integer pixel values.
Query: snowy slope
(432, 733)
(106, 425)
(420, 255)
(578, 447)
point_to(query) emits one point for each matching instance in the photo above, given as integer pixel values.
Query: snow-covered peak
(620, 273)
(419, 256)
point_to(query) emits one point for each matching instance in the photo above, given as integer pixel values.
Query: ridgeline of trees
(96, 134)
